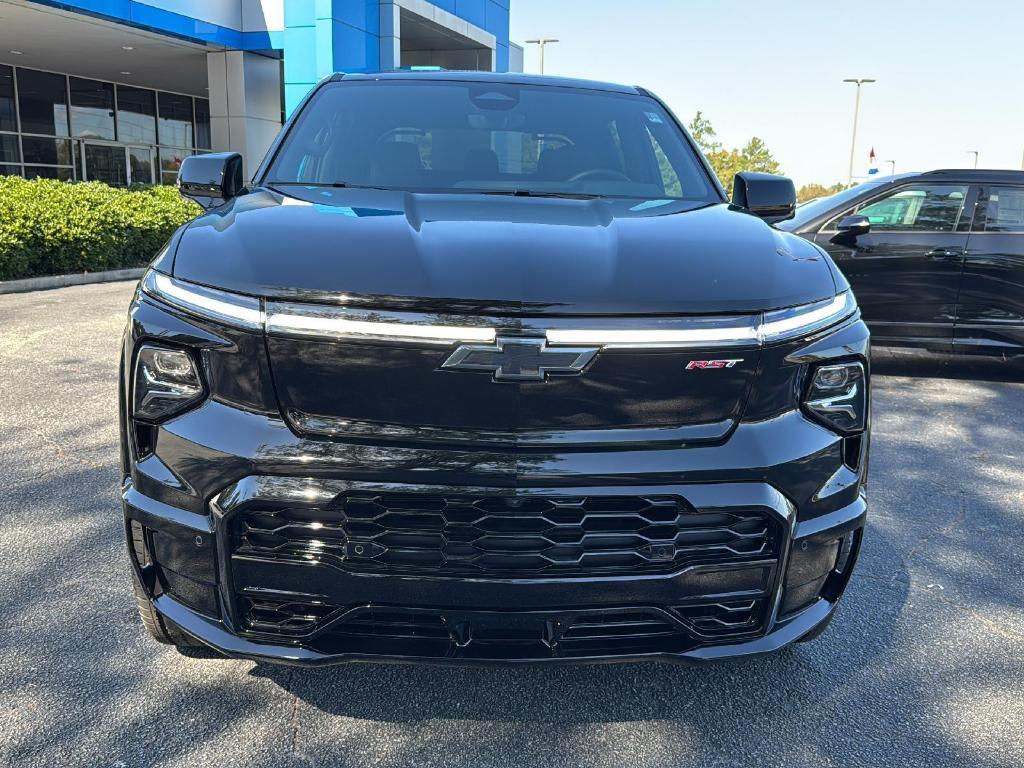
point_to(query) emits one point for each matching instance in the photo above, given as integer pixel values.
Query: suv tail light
(837, 397)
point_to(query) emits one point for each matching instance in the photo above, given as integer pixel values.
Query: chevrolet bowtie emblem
(513, 359)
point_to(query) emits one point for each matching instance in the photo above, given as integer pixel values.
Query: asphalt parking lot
(924, 665)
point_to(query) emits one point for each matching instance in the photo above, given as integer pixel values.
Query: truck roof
(510, 78)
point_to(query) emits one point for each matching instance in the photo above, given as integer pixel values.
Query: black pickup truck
(487, 368)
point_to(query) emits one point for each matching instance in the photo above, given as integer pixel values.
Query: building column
(325, 36)
(390, 36)
(245, 104)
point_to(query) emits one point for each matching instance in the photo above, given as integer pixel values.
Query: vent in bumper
(434, 633)
(725, 618)
(505, 536)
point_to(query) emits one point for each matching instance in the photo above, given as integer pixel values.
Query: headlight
(166, 383)
(837, 396)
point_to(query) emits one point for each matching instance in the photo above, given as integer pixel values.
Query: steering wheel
(608, 174)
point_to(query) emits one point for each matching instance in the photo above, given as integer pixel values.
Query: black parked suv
(486, 368)
(936, 259)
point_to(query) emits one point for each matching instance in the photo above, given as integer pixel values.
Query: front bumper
(238, 461)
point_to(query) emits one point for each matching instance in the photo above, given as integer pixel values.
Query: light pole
(975, 153)
(542, 42)
(892, 167)
(856, 112)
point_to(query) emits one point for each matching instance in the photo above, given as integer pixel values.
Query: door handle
(940, 254)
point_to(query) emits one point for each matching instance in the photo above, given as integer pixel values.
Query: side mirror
(211, 180)
(772, 198)
(854, 226)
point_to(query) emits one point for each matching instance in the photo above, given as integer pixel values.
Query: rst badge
(703, 365)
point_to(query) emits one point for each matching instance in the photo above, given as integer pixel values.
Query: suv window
(441, 136)
(1004, 211)
(918, 208)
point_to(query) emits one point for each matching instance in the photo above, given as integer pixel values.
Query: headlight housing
(167, 383)
(837, 396)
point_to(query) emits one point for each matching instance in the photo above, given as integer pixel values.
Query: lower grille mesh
(419, 632)
(505, 535)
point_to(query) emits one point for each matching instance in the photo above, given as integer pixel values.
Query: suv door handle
(944, 253)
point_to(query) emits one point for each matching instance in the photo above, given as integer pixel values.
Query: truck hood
(500, 254)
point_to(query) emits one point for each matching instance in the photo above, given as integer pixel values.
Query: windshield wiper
(536, 193)
(326, 184)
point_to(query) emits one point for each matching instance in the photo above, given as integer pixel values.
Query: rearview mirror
(772, 198)
(854, 226)
(211, 180)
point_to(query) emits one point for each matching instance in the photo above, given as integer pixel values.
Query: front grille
(505, 536)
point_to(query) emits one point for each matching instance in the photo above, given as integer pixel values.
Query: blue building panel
(447, 5)
(359, 14)
(473, 11)
(166, 22)
(300, 13)
(496, 22)
(320, 36)
(354, 50)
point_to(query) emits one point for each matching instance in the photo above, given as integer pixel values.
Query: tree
(754, 156)
(812, 191)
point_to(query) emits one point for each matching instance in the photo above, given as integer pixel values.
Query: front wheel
(161, 631)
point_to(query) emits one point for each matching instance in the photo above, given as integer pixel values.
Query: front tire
(162, 631)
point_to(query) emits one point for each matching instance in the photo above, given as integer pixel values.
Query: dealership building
(121, 91)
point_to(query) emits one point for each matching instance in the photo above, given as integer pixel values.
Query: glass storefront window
(42, 102)
(170, 162)
(203, 124)
(46, 172)
(129, 134)
(175, 112)
(136, 115)
(7, 118)
(9, 152)
(140, 161)
(46, 151)
(92, 109)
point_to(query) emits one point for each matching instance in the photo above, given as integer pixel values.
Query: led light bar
(229, 308)
(807, 318)
(683, 337)
(331, 322)
(320, 321)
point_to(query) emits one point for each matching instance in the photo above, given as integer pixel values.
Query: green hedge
(52, 227)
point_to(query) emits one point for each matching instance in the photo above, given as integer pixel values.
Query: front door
(906, 271)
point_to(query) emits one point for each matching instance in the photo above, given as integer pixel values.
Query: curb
(62, 281)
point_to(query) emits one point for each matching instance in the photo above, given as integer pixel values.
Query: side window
(921, 208)
(1004, 211)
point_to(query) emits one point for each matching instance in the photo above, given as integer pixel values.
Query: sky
(950, 75)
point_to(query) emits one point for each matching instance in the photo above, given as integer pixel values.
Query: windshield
(815, 208)
(490, 137)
